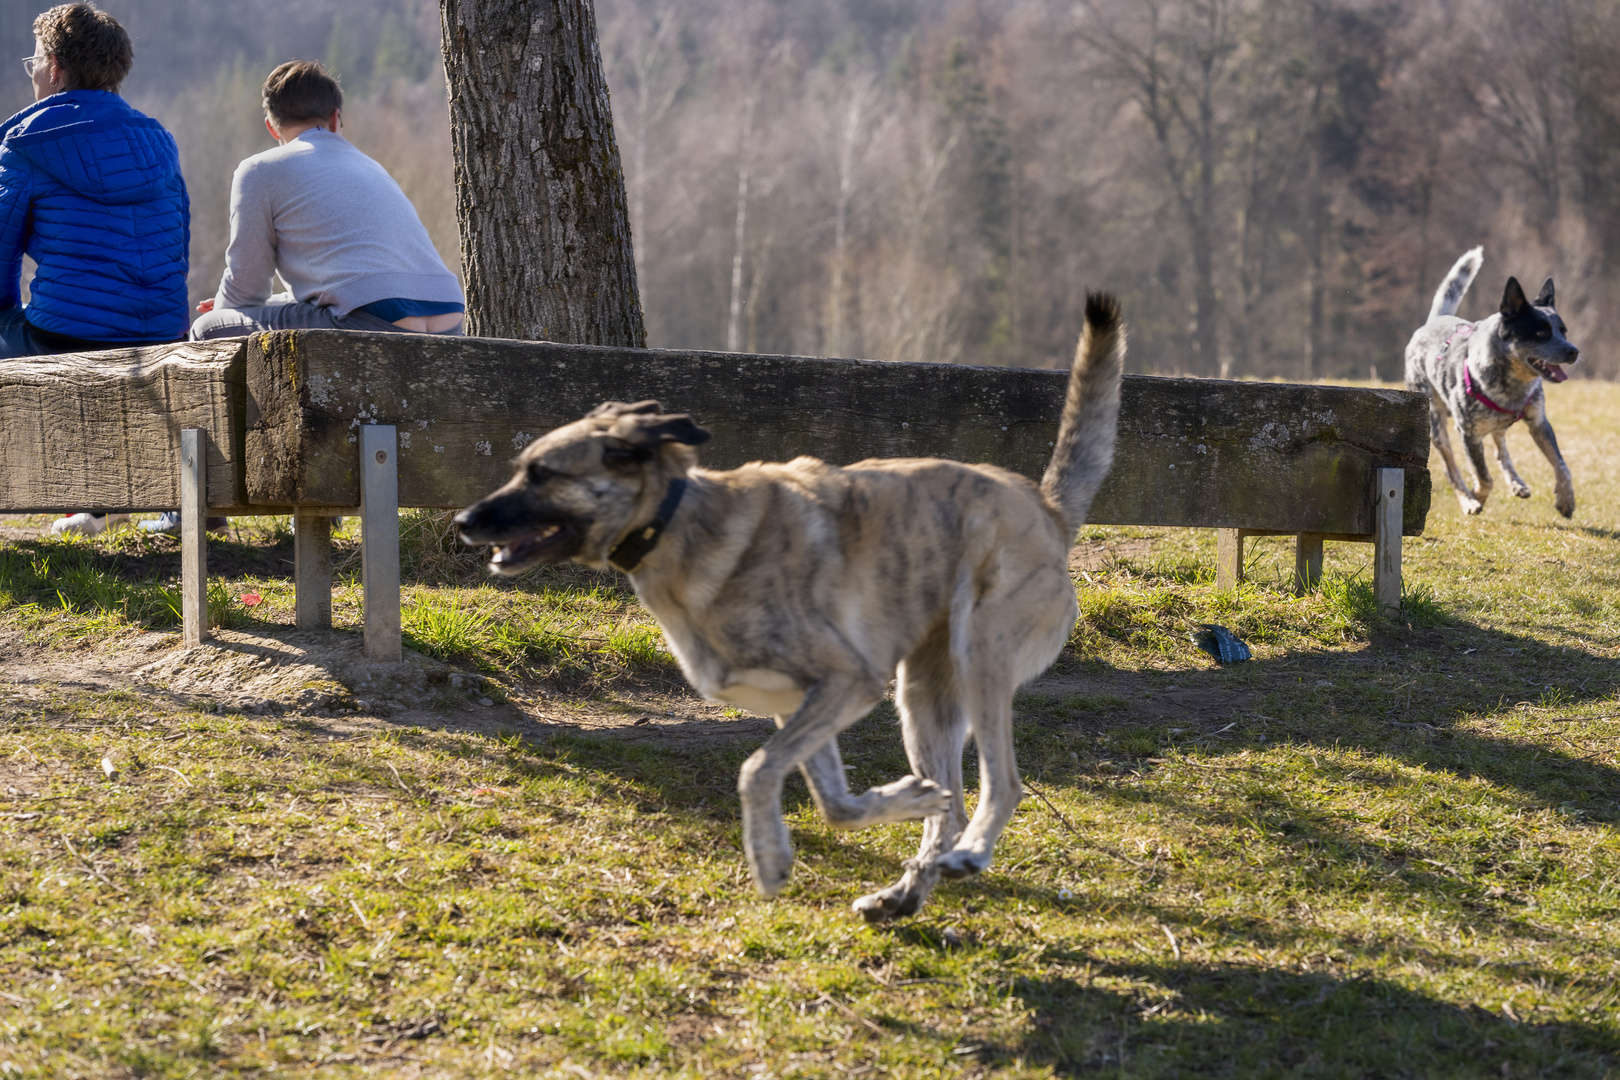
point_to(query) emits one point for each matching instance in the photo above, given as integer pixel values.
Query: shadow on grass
(1162, 1019)
(1408, 694)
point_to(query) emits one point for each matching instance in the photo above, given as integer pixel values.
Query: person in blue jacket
(91, 190)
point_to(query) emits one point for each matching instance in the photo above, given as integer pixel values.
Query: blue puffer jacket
(91, 190)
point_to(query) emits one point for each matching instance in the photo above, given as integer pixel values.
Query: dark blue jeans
(15, 338)
(18, 339)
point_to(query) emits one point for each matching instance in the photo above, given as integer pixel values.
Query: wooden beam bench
(316, 423)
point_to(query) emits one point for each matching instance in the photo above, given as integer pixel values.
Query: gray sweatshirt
(334, 223)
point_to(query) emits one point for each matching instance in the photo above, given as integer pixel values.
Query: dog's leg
(990, 709)
(1482, 473)
(911, 798)
(830, 706)
(1516, 485)
(1442, 443)
(1541, 433)
(934, 726)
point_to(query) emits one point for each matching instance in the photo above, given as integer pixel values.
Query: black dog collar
(639, 544)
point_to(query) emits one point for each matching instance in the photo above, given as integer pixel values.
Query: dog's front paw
(962, 862)
(1521, 491)
(1565, 502)
(1470, 505)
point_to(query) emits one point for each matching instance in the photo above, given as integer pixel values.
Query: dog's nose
(1574, 355)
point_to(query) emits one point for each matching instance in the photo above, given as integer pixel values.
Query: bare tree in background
(647, 55)
(942, 179)
(1177, 59)
(852, 123)
(745, 139)
(545, 231)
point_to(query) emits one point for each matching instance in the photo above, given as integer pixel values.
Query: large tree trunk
(545, 233)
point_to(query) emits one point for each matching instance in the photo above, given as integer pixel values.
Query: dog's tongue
(1556, 373)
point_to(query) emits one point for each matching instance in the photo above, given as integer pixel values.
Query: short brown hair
(92, 50)
(301, 90)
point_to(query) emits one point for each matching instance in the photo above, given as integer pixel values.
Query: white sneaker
(86, 523)
(166, 522)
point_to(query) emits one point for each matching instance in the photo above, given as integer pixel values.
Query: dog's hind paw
(1470, 505)
(895, 902)
(960, 863)
(1566, 506)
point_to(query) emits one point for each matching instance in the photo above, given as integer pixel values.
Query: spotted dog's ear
(1546, 297)
(620, 408)
(1513, 301)
(649, 430)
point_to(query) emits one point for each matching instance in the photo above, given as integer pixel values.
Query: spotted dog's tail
(1084, 451)
(1447, 300)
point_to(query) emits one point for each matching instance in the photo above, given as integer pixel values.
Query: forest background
(1274, 188)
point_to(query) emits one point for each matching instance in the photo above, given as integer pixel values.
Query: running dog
(1487, 375)
(798, 590)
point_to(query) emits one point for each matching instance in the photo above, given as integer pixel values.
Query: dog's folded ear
(1513, 299)
(620, 408)
(1546, 297)
(649, 430)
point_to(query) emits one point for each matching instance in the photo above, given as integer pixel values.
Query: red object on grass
(251, 599)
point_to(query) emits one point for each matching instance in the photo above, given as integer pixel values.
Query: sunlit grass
(1384, 847)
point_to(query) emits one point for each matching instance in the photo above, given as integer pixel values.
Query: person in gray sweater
(334, 224)
(336, 227)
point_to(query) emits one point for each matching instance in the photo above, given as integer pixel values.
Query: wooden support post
(193, 537)
(312, 570)
(1390, 497)
(379, 540)
(1307, 562)
(1228, 558)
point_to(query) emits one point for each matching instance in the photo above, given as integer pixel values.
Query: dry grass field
(1381, 848)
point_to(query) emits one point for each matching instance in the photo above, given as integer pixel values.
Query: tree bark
(545, 233)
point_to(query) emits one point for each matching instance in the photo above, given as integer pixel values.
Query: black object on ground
(1225, 646)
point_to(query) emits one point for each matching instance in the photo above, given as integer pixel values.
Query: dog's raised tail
(1455, 287)
(1084, 451)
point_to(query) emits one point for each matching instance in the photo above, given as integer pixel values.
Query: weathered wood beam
(1387, 553)
(1192, 452)
(101, 431)
(1307, 562)
(312, 571)
(379, 540)
(193, 537)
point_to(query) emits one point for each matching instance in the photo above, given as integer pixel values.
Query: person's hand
(205, 306)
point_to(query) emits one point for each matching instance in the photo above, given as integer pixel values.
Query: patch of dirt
(1148, 701)
(13, 527)
(1091, 555)
(325, 674)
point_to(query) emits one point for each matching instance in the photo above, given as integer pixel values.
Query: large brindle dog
(800, 589)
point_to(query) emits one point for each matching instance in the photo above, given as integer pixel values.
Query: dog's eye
(539, 474)
(624, 455)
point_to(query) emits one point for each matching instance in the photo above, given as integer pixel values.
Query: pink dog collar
(1462, 332)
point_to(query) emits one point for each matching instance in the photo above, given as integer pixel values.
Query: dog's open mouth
(548, 544)
(1549, 371)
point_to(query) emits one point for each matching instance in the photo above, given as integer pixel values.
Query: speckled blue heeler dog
(798, 590)
(1488, 375)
